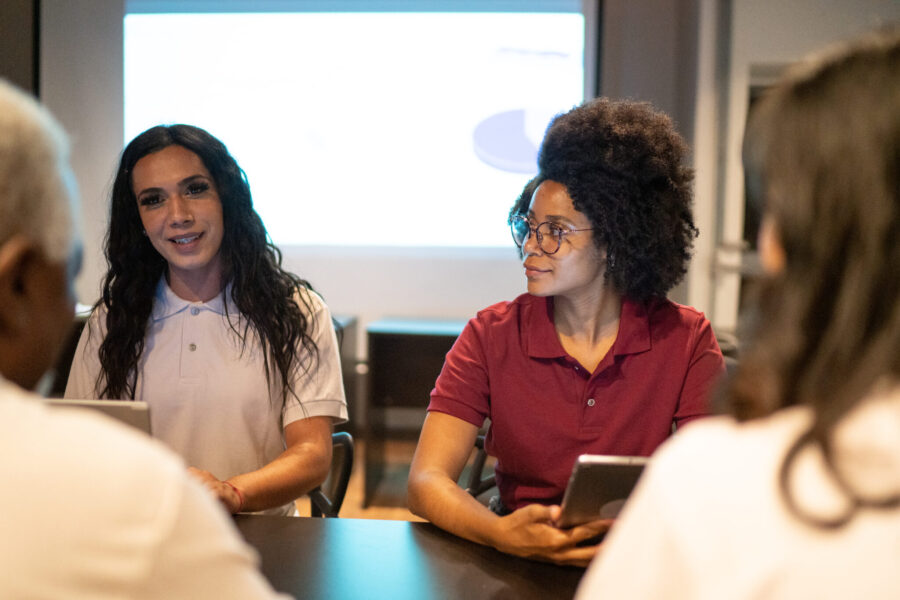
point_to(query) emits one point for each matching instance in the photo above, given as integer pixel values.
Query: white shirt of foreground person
(707, 520)
(209, 399)
(89, 509)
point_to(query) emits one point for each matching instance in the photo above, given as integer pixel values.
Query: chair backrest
(479, 483)
(731, 365)
(64, 359)
(326, 500)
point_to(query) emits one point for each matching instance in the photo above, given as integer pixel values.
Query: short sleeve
(320, 391)
(82, 380)
(705, 367)
(462, 389)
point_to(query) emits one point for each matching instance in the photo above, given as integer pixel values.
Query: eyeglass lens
(547, 235)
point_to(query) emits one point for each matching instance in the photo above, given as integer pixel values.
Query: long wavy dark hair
(262, 292)
(623, 166)
(822, 155)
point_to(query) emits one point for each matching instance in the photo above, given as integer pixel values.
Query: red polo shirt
(546, 409)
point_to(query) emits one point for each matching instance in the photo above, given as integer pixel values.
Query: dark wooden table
(342, 559)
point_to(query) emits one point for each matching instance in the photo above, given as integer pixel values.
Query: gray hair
(37, 186)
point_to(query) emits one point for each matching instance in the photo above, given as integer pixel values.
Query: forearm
(292, 474)
(435, 497)
(527, 532)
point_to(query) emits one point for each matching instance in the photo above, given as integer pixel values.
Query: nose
(530, 245)
(179, 211)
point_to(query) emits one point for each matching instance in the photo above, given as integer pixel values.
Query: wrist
(492, 532)
(238, 493)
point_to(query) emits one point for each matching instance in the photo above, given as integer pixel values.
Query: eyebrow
(187, 180)
(554, 218)
(191, 178)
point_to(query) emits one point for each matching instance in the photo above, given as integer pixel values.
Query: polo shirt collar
(539, 333)
(634, 328)
(166, 303)
(542, 341)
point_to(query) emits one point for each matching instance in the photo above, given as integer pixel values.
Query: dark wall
(18, 43)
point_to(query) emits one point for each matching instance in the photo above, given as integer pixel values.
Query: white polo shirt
(208, 398)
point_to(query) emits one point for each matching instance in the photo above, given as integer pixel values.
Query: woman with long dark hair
(236, 357)
(797, 495)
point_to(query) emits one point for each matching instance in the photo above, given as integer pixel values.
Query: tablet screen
(598, 487)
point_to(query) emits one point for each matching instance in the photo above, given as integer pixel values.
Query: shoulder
(86, 440)
(715, 470)
(511, 311)
(96, 320)
(320, 324)
(675, 324)
(99, 311)
(311, 303)
(71, 452)
(663, 310)
(731, 454)
(110, 496)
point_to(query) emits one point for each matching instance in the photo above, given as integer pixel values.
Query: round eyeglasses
(549, 235)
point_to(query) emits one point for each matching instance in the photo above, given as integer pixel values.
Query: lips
(532, 270)
(183, 240)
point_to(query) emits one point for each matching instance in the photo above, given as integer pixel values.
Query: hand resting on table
(530, 532)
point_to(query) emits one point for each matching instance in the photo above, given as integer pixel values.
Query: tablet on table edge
(598, 487)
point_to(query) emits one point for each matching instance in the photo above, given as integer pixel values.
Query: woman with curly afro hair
(594, 358)
(236, 357)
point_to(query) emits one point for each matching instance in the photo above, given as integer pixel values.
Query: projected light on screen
(391, 129)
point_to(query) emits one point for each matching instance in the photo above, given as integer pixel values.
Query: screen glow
(364, 129)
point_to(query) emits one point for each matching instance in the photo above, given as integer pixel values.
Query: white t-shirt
(708, 520)
(209, 399)
(90, 509)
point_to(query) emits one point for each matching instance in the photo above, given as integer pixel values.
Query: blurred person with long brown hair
(798, 494)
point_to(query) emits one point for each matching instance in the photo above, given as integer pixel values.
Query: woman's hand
(529, 532)
(226, 492)
(444, 446)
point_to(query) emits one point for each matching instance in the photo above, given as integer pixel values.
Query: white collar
(166, 303)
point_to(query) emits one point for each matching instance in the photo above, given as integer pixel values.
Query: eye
(197, 188)
(555, 230)
(150, 200)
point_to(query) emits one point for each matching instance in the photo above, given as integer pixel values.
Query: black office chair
(65, 357)
(731, 366)
(326, 500)
(479, 483)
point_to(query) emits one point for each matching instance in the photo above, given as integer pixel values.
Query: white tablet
(598, 487)
(130, 412)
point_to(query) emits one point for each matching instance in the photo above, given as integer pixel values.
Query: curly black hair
(263, 293)
(622, 165)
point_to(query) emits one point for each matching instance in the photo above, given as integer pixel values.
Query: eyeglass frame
(539, 237)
